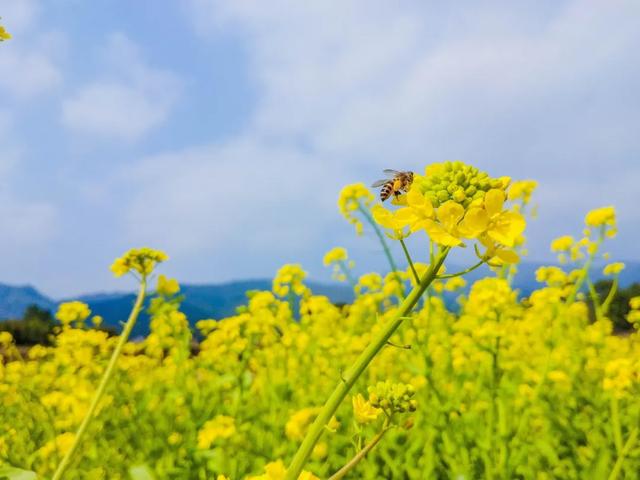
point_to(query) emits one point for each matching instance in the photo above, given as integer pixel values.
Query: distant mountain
(220, 300)
(201, 301)
(14, 300)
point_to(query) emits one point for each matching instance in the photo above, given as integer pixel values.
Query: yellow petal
(493, 202)
(450, 214)
(384, 217)
(439, 234)
(507, 228)
(474, 222)
(507, 256)
(415, 198)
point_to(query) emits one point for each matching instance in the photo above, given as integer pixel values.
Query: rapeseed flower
(221, 427)
(363, 411)
(73, 312)
(167, 287)
(613, 268)
(4, 35)
(353, 198)
(141, 260)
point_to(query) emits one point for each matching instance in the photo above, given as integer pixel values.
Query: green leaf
(141, 472)
(13, 473)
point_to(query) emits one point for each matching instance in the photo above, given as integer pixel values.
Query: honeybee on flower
(400, 182)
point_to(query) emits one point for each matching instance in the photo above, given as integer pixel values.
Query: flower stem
(385, 247)
(406, 253)
(347, 273)
(629, 444)
(463, 272)
(604, 308)
(124, 336)
(360, 455)
(345, 384)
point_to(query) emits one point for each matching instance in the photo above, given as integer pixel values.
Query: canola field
(394, 385)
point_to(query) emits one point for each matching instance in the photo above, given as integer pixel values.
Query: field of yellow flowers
(392, 386)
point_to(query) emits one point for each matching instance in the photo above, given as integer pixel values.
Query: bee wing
(391, 172)
(379, 183)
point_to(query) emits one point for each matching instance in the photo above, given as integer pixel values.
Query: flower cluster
(4, 35)
(290, 280)
(354, 198)
(455, 202)
(363, 411)
(221, 427)
(338, 258)
(141, 260)
(73, 312)
(393, 397)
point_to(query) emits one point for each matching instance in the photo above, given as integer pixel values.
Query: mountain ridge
(219, 300)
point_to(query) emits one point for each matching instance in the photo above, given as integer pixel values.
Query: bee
(398, 183)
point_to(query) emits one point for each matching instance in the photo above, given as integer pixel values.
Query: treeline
(36, 327)
(37, 324)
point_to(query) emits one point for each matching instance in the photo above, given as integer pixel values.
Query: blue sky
(223, 131)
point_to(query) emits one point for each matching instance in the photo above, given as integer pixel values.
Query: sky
(223, 131)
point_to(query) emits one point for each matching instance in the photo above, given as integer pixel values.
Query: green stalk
(408, 255)
(385, 247)
(124, 336)
(347, 273)
(360, 365)
(630, 443)
(360, 455)
(463, 272)
(585, 271)
(612, 293)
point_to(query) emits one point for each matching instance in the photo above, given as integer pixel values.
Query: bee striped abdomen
(386, 190)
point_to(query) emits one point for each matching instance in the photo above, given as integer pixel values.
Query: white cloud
(544, 91)
(23, 223)
(30, 61)
(131, 100)
(261, 199)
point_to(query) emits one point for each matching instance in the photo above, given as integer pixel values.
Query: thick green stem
(124, 336)
(351, 376)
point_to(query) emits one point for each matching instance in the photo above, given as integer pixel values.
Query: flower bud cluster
(457, 181)
(142, 260)
(393, 397)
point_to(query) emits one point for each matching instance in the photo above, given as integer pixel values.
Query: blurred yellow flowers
(142, 260)
(4, 35)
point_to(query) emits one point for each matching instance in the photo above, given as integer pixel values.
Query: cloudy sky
(222, 131)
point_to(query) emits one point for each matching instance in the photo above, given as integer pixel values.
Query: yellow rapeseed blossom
(73, 312)
(167, 286)
(605, 216)
(4, 35)
(6, 339)
(142, 260)
(522, 190)
(296, 427)
(363, 411)
(613, 268)
(277, 471)
(221, 426)
(562, 244)
(454, 202)
(289, 279)
(352, 198)
(336, 254)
